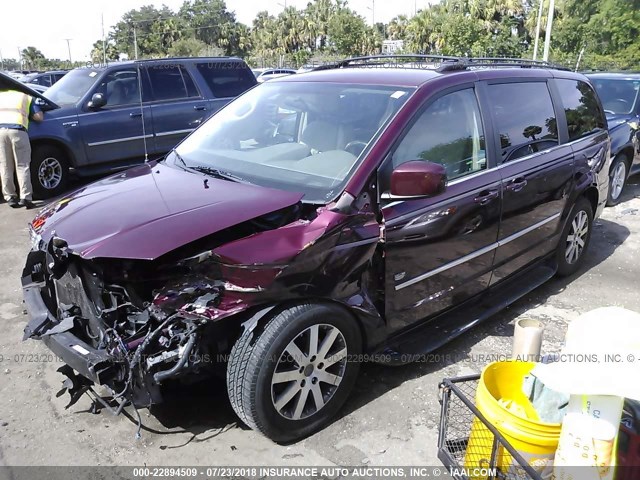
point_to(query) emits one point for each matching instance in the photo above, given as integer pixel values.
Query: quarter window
(448, 132)
(171, 82)
(581, 108)
(524, 118)
(226, 79)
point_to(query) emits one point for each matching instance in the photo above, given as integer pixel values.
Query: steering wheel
(356, 145)
(620, 101)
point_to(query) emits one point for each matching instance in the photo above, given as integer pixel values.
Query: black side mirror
(97, 101)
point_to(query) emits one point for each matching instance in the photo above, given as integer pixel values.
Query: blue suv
(110, 117)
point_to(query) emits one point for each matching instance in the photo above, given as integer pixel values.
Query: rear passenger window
(170, 82)
(524, 118)
(448, 132)
(226, 79)
(581, 108)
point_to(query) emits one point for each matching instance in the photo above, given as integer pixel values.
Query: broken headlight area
(132, 324)
(127, 325)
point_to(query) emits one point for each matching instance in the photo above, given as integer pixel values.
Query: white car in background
(266, 74)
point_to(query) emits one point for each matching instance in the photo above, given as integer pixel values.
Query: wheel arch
(592, 195)
(52, 142)
(627, 152)
(257, 321)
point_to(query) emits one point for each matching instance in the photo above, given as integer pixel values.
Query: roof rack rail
(440, 63)
(511, 62)
(396, 60)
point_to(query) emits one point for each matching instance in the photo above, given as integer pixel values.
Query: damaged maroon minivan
(321, 220)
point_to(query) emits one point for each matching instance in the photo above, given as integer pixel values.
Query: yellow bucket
(500, 399)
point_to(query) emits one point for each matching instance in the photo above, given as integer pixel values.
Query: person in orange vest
(16, 109)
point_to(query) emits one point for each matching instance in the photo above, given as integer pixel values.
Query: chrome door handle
(517, 184)
(486, 196)
(135, 114)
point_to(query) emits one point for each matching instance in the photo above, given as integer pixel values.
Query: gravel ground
(390, 419)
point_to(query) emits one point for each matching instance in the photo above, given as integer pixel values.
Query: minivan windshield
(300, 136)
(73, 86)
(618, 96)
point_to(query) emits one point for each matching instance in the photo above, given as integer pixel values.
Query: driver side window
(448, 132)
(120, 88)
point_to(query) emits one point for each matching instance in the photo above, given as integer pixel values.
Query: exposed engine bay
(133, 324)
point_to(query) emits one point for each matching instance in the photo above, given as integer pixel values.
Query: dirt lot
(390, 419)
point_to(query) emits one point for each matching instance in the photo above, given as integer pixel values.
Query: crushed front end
(125, 325)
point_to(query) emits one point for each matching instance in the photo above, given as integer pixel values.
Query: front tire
(289, 380)
(575, 238)
(617, 179)
(49, 171)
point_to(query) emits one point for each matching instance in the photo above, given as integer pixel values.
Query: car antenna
(144, 132)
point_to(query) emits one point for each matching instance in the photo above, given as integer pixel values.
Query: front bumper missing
(96, 365)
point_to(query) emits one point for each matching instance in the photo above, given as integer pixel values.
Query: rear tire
(281, 382)
(575, 238)
(617, 179)
(49, 171)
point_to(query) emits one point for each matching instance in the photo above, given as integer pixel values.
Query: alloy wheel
(617, 180)
(50, 173)
(577, 237)
(309, 372)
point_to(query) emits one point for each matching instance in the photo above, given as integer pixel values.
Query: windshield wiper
(214, 172)
(180, 159)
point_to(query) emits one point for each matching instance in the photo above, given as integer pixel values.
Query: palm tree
(32, 57)
(290, 30)
(397, 28)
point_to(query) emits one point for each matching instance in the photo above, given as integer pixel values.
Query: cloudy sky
(45, 24)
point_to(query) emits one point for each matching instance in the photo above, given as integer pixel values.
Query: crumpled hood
(150, 210)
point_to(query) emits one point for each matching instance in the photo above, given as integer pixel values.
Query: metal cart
(489, 456)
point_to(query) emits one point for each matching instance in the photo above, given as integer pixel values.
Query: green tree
(208, 19)
(98, 55)
(153, 30)
(347, 31)
(397, 28)
(32, 58)
(187, 47)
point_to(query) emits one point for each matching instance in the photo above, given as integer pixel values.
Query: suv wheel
(617, 180)
(291, 379)
(575, 238)
(49, 171)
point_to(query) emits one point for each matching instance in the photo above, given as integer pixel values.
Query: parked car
(619, 93)
(306, 68)
(266, 74)
(38, 88)
(97, 121)
(318, 221)
(46, 79)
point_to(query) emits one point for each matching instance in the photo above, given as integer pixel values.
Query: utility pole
(535, 45)
(104, 48)
(373, 12)
(580, 58)
(547, 35)
(135, 41)
(69, 49)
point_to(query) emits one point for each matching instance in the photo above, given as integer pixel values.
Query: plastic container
(527, 339)
(500, 399)
(588, 437)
